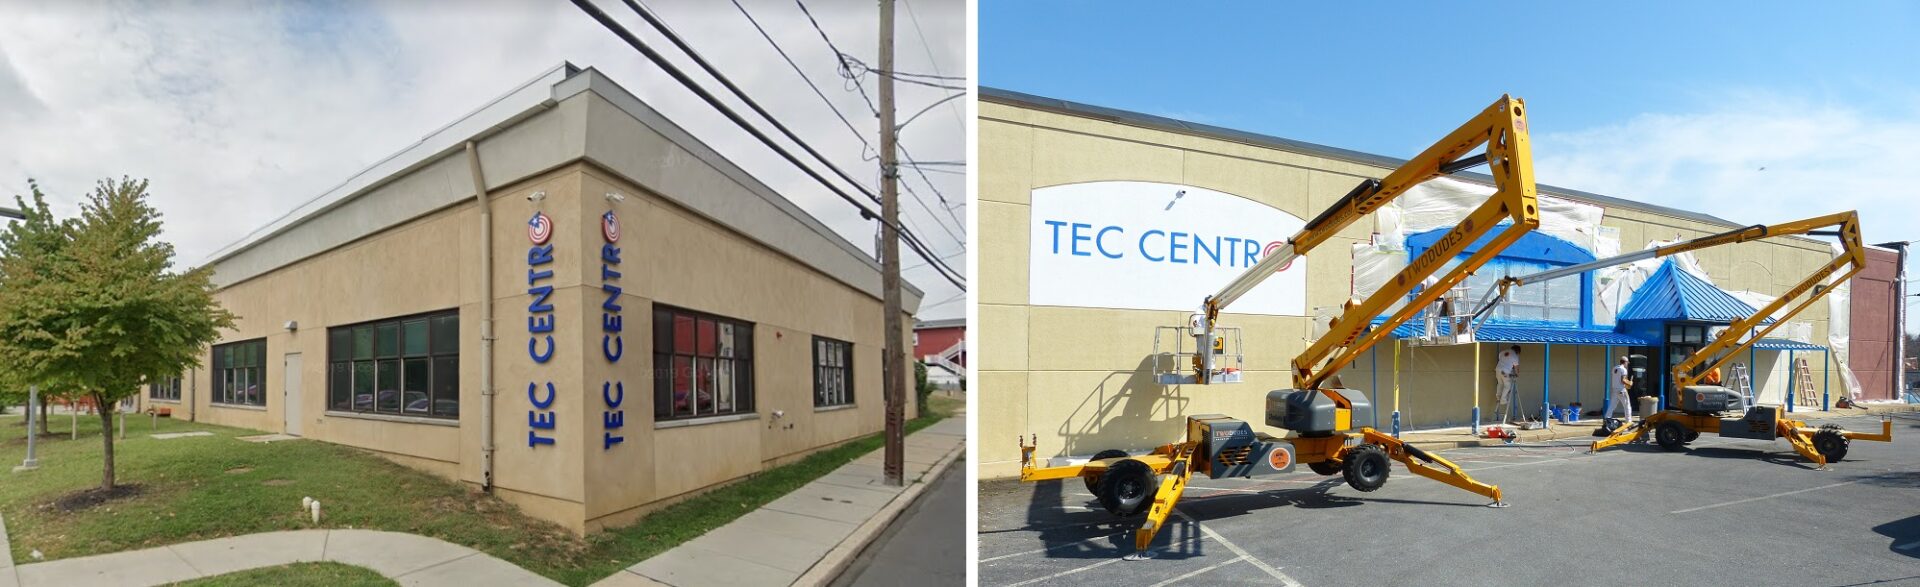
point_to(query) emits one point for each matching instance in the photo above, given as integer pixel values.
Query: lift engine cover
(1709, 398)
(1315, 411)
(1757, 425)
(1233, 450)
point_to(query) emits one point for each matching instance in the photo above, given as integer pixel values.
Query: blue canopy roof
(1532, 246)
(1533, 334)
(1782, 344)
(1674, 294)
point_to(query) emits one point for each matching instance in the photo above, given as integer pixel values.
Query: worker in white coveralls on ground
(1506, 374)
(1621, 381)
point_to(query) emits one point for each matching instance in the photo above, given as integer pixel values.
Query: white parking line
(1068, 572)
(1064, 545)
(1198, 572)
(1741, 501)
(1282, 577)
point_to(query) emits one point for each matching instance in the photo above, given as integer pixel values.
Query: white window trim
(238, 406)
(664, 424)
(394, 418)
(835, 407)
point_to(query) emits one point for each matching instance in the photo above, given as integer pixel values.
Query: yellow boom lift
(1694, 409)
(1320, 416)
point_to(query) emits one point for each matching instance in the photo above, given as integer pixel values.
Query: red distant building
(941, 344)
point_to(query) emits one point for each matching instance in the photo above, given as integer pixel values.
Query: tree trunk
(106, 436)
(45, 410)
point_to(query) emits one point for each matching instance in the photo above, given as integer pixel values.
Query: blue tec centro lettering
(541, 420)
(613, 392)
(1154, 245)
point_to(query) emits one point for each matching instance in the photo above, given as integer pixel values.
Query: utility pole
(894, 363)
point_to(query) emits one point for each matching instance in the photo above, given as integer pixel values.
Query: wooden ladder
(1804, 395)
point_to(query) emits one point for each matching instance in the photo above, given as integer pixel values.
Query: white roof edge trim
(503, 111)
(593, 80)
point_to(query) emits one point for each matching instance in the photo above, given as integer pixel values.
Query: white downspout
(486, 317)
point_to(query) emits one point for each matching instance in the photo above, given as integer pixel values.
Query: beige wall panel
(1005, 169)
(1282, 187)
(1003, 332)
(1063, 158)
(1002, 246)
(692, 457)
(1002, 416)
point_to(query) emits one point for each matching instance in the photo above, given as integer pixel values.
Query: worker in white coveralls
(1506, 374)
(1621, 381)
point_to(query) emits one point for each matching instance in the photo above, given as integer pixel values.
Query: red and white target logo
(539, 228)
(1275, 246)
(610, 227)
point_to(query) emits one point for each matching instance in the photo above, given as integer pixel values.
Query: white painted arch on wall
(1156, 246)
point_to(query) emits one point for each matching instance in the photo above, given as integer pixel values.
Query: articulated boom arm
(1852, 258)
(1503, 129)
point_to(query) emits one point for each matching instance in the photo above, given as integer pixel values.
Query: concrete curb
(842, 555)
(9, 576)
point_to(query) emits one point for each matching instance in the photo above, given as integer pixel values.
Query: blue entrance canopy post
(1826, 379)
(1792, 375)
(1606, 391)
(1546, 388)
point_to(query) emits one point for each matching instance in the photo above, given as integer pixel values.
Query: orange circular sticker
(1699, 397)
(1279, 458)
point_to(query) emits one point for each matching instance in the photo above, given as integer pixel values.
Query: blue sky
(1676, 103)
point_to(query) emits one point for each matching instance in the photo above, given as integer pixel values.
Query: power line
(617, 29)
(838, 55)
(846, 70)
(673, 37)
(865, 146)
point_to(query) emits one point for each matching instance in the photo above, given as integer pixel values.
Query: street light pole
(33, 391)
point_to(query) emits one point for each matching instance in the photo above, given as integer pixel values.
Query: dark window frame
(240, 364)
(730, 361)
(832, 367)
(167, 389)
(382, 358)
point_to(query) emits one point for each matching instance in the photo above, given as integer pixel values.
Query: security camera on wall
(536, 196)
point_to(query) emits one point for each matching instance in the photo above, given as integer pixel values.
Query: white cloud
(1755, 157)
(239, 111)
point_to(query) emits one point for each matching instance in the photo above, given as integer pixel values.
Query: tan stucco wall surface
(1080, 378)
(669, 255)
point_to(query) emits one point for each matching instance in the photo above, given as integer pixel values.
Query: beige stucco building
(1071, 358)
(665, 323)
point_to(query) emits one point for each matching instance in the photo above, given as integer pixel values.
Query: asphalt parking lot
(1725, 512)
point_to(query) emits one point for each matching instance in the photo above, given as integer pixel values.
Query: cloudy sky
(1752, 111)
(240, 111)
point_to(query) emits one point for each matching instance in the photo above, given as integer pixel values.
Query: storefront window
(832, 372)
(239, 373)
(703, 365)
(404, 366)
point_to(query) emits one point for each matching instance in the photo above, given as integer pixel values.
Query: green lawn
(297, 575)
(208, 487)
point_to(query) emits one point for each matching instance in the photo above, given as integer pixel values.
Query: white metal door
(290, 393)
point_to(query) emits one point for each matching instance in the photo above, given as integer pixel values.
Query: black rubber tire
(1830, 443)
(1127, 487)
(1670, 435)
(1692, 436)
(1093, 481)
(1366, 467)
(1328, 468)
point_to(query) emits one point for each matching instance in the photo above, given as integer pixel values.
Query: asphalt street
(925, 546)
(1723, 512)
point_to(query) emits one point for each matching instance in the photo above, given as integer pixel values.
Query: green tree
(93, 304)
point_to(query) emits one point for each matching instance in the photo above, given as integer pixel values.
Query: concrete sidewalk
(810, 535)
(406, 558)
